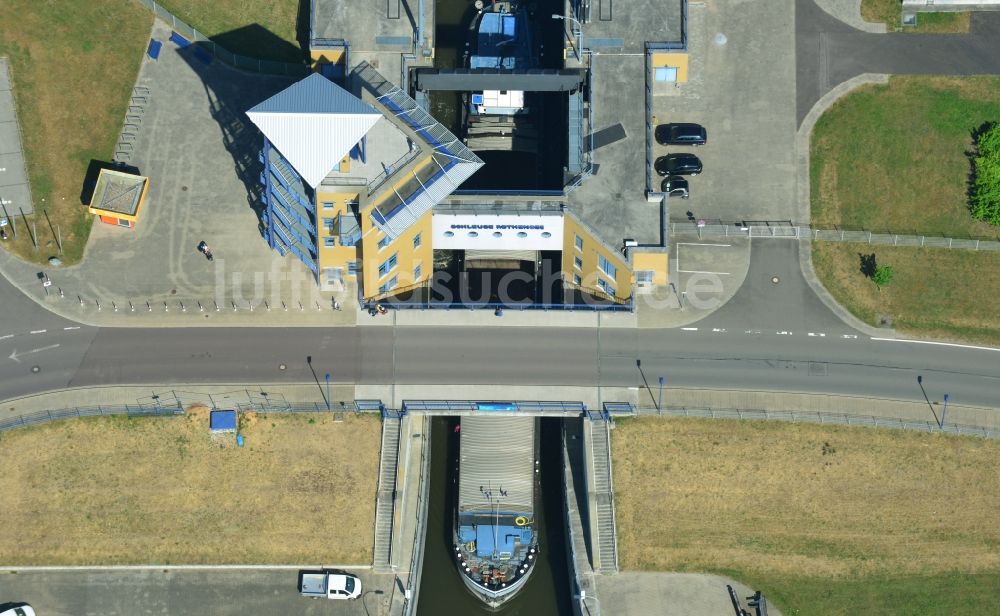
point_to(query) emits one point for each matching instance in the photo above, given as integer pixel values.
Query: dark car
(681, 134)
(677, 164)
(675, 186)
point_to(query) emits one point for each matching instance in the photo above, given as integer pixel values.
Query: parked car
(675, 186)
(21, 610)
(681, 134)
(677, 164)
(329, 584)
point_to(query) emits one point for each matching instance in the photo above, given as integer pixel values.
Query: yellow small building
(118, 197)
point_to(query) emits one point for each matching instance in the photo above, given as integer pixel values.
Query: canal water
(507, 170)
(442, 592)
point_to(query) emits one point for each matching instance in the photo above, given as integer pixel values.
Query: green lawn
(276, 30)
(946, 594)
(72, 75)
(890, 13)
(893, 158)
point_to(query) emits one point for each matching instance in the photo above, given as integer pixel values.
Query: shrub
(984, 202)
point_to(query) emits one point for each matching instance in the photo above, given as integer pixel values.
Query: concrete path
(829, 52)
(670, 594)
(15, 193)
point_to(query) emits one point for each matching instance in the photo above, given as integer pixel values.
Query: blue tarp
(223, 421)
(505, 536)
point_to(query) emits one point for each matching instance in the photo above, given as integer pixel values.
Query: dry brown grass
(780, 500)
(938, 293)
(161, 490)
(73, 65)
(890, 12)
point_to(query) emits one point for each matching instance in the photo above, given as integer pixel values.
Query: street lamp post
(578, 48)
(328, 391)
(944, 410)
(659, 401)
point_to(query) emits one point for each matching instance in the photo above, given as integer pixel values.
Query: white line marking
(950, 344)
(7, 336)
(784, 333)
(701, 272)
(690, 329)
(821, 335)
(39, 331)
(752, 331)
(69, 328)
(15, 354)
(851, 336)
(716, 329)
(697, 244)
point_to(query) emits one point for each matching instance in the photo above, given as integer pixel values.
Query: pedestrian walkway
(15, 193)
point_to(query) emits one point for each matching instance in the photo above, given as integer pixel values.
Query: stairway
(607, 543)
(385, 507)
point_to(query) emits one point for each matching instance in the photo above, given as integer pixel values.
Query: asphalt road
(182, 592)
(776, 337)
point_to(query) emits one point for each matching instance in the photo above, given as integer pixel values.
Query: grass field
(893, 158)
(161, 490)
(72, 75)
(945, 294)
(269, 30)
(890, 13)
(825, 520)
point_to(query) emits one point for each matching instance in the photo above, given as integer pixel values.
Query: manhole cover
(775, 280)
(184, 188)
(173, 291)
(36, 369)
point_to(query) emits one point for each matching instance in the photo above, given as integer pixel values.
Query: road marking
(821, 335)
(851, 336)
(69, 328)
(680, 271)
(716, 329)
(15, 354)
(752, 331)
(697, 244)
(950, 344)
(690, 329)
(784, 333)
(39, 331)
(7, 336)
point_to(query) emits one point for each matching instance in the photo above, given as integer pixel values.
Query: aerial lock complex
(364, 185)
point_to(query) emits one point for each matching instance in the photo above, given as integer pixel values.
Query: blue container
(239, 440)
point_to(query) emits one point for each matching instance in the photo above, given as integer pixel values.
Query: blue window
(328, 205)
(607, 288)
(388, 286)
(607, 267)
(417, 271)
(577, 262)
(329, 241)
(577, 280)
(388, 266)
(416, 240)
(579, 243)
(329, 223)
(385, 241)
(353, 267)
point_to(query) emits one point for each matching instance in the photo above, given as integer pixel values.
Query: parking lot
(741, 88)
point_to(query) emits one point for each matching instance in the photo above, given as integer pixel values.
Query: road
(776, 337)
(219, 592)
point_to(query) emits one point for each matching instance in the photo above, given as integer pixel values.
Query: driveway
(829, 52)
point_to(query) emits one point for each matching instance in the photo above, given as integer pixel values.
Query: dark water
(507, 170)
(442, 593)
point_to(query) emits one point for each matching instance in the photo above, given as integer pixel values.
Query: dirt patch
(115, 490)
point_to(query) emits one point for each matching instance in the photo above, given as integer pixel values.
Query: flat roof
(118, 192)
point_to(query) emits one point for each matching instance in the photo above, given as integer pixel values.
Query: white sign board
(497, 232)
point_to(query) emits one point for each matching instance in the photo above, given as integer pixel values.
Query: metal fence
(270, 67)
(821, 417)
(31, 419)
(806, 232)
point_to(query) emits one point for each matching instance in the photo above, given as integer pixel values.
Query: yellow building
(357, 181)
(118, 197)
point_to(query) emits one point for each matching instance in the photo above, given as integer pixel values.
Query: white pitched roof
(314, 123)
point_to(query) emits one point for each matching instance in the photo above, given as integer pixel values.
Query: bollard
(251, 306)
(200, 307)
(234, 306)
(183, 307)
(267, 306)
(131, 308)
(300, 307)
(165, 307)
(61, 294)
(149, 308)
(81, 300)
(284, 306)
(216, 305)
(98, 302)
(318, 307)
(114, 305)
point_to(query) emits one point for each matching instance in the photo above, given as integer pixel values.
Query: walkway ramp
(603, 497)
(385, 508)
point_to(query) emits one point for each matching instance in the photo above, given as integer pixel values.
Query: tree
(882, 276)
(984, 201)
